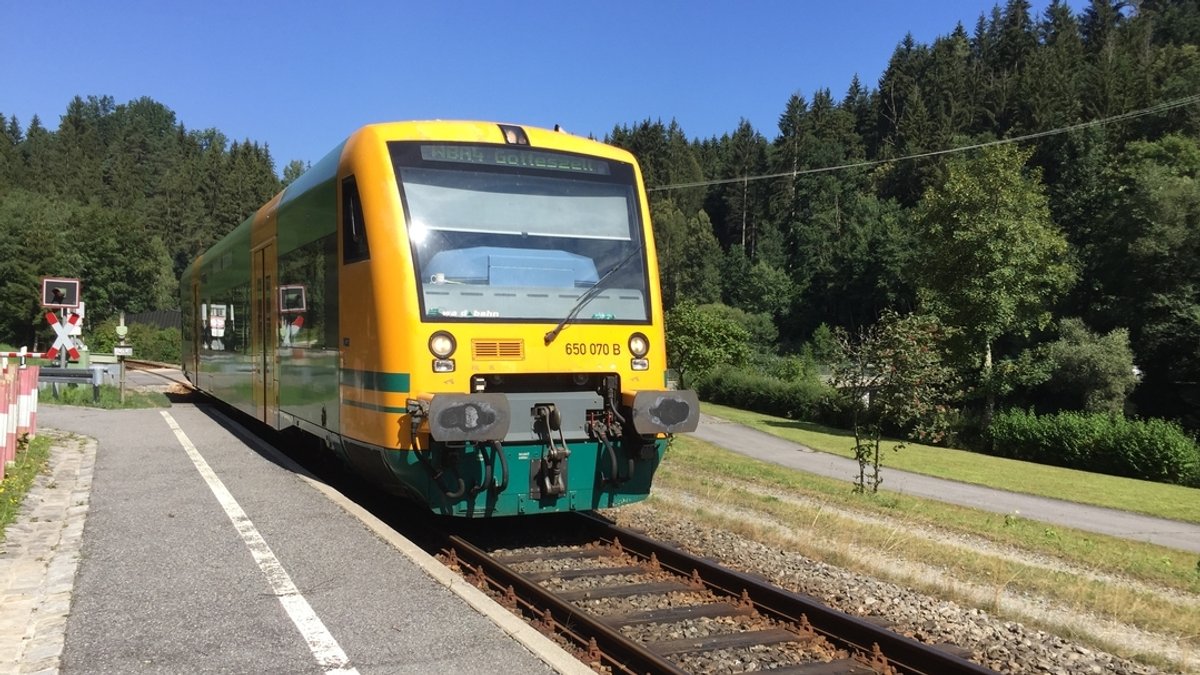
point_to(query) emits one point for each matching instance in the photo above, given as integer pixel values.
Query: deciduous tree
(992, 261)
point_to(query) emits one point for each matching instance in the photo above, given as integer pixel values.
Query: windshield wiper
(588, 295)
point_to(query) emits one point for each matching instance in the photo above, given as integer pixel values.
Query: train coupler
(549, 473)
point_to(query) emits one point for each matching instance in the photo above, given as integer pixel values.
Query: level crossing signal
(60, 293)
(64, 339)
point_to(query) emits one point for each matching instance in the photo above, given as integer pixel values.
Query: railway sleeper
(676, 614)
(710, 643)
(580, 554)
(626, 591)
(583, 573)
(834, 667)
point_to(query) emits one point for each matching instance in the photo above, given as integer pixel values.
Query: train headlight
(442, 344)
(639, 345)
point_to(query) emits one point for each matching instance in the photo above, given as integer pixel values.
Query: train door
(264, 335)
(198, 328)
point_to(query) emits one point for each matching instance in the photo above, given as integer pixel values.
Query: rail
(792, 617)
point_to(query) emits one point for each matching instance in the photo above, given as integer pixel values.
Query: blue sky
(300, 76)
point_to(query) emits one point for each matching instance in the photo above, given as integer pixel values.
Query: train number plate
(593, 348)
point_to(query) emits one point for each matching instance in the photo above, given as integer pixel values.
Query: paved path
(760, 445)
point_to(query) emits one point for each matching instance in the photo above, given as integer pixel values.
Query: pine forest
(1021, 197)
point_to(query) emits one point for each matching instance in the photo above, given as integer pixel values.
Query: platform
(175, 542)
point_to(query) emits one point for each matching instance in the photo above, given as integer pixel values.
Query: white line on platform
(325, 648)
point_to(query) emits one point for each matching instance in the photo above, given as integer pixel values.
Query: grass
(30, 460)
(820, 518)
(1171, 568)
(1126, 494)
(5, 347)
(110, 397)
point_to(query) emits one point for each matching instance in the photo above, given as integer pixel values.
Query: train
(467, 314)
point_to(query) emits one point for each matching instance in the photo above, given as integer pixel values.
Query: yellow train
(467, 313)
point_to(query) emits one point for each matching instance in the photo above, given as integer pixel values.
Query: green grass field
(110, 397)
(1126, 494)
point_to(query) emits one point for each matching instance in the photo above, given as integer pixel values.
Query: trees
(991, 259)
(80, 138)
(36, 240)
(122, 196)
(689, 257)
(1157, 286)
(294, 170)
(738, 215)
(10, 159)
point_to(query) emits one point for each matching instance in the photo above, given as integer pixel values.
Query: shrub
(1081, 370)
(699, 339)
(149, 343)
(783, 367)
(764, 336)
(1151, 449)
(801, 399)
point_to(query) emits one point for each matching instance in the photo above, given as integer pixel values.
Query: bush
(764, 336)
(1081, 370)
(700, 339)
(1152, 449)
(783, 367)
(800, 399)
(149, 343)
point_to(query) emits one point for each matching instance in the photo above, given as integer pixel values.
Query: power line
(1152, 110)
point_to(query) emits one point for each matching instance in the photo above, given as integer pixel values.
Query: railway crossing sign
(64, 339)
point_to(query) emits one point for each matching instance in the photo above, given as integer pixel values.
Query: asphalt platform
(171, 541)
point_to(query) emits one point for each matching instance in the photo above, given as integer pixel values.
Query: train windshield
(509, 233)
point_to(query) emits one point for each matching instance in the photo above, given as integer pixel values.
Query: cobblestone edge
(40, 555)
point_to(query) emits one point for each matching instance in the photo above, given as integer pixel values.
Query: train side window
(354, 231)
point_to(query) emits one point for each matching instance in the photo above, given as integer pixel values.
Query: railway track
(634, 605)
(154, 368)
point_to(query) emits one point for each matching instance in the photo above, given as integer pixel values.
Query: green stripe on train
(375, 381)
(376, 408)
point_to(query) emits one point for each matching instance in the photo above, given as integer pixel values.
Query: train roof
(474, 131)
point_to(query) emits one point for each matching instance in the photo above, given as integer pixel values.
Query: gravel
(1006, 646)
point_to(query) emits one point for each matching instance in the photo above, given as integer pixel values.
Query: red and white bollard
(8, 423)
(18, 409)
(27, 402)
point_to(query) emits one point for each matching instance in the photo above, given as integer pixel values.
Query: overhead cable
(1153, 110)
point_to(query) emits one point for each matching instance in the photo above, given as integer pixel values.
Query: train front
(540, 380)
